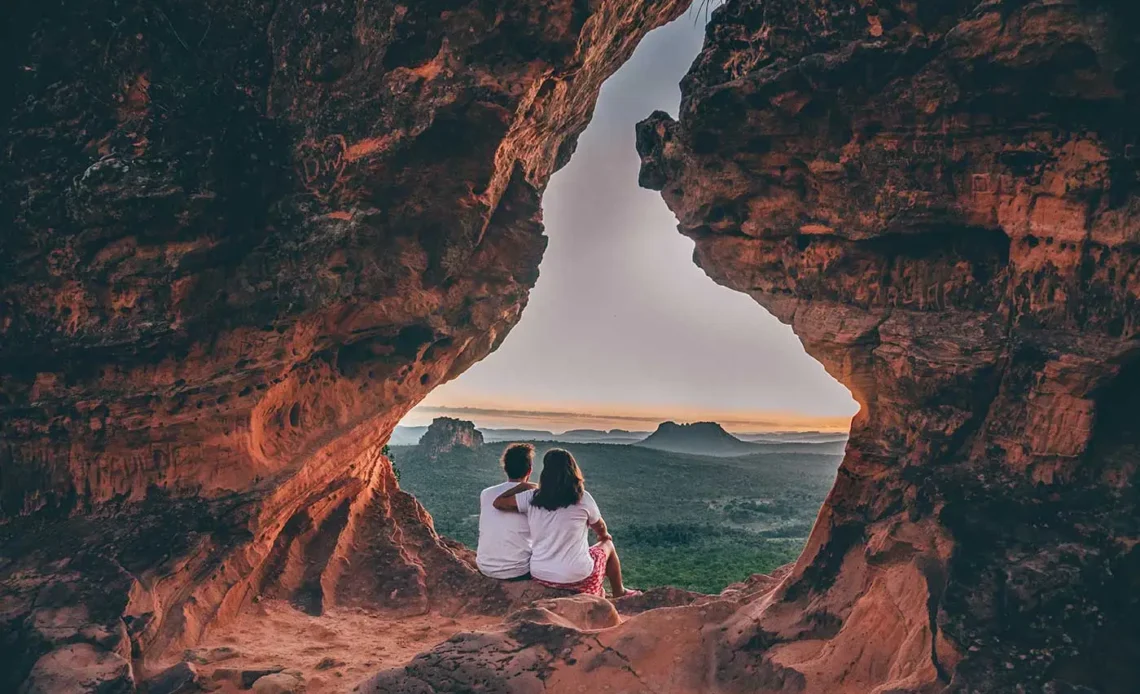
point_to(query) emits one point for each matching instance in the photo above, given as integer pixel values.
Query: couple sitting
(539, 531)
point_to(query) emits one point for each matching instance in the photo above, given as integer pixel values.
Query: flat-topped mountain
(701, 438)
(447, 433)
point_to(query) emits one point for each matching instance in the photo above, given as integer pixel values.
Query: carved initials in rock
(321, 163)
(921, 146)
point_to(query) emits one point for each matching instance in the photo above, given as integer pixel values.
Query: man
(504, 537)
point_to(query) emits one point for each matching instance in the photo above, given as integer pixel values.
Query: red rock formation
(942, 199)
(247, 237)
(243, 240)
(579, 644)
(445, 433)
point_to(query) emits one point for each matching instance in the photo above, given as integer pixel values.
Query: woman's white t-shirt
(559, 548)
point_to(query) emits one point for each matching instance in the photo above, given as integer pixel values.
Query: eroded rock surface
(568, 645)
(241, 240)
(80, 668)
(447, 433)
(942, 199)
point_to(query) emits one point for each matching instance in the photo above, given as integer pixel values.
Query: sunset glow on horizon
(605, 417)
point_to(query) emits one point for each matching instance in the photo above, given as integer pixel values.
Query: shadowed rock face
(942, 199)
(242, 240)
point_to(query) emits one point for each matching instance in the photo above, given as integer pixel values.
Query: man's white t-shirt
(560, 550)
(504, 537)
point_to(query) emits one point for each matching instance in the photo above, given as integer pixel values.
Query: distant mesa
(699, 438)
(446, 434)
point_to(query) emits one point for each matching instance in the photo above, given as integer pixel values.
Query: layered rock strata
(242, 240)
(942, 199)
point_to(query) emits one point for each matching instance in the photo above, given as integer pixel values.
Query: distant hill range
(501, 435)
(795, 437)
(410, 436)
(407, 436)
(699, 438)
(596, 436)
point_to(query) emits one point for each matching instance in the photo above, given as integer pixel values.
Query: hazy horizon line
(757, 422)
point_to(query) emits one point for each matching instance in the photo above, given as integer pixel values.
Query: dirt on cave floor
(332, 652)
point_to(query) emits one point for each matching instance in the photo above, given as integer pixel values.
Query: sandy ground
(334, 651)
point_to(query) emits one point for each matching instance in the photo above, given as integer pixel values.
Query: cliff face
(943, 201)
(447, 433)
(243, 239)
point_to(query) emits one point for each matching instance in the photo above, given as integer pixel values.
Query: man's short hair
(518, 460)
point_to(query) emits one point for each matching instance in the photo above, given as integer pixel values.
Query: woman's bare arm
(506, 500)
(601, 531)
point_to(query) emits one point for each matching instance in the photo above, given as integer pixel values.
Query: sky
(623, 330)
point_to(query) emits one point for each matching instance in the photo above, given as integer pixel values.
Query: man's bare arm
(506, 500)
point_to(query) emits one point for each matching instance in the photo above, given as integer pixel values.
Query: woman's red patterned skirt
(590, 585)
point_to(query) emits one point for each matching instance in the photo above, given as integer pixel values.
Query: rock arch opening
(621, 333)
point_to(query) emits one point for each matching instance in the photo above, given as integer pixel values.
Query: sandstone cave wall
(246, 237)
(943, 200)
(240, 240)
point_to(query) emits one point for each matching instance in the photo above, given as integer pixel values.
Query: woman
(558, 513)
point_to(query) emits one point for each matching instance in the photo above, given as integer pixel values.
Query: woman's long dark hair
(561, 483)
